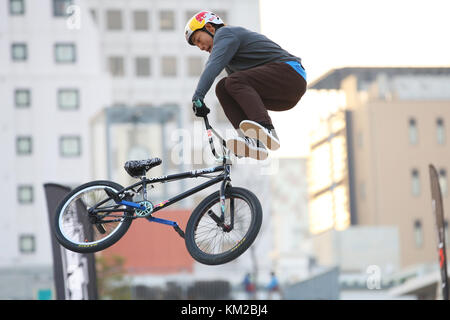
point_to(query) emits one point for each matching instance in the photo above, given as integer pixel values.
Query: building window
(413, 132)
(24, 146)
(27, 243)
(114, 21)
(142, 65)
(116, 66)
(418, 233)
(60, 7)
(167, 20)
(22, 98)
(93, 13)
(415, 183)
(65, 53)
(140, 20)
(19, 52)
(195, 66)
(169, 66)
(25, 194)
(70, 146)
(443, 181)
(68, 99)
(440, 131)
(16, 7)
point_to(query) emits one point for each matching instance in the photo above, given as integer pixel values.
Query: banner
(438, 213)
(74, 273)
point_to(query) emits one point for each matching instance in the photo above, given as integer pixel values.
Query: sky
(329, 34)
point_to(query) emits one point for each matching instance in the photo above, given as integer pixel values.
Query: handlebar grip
(198, 103)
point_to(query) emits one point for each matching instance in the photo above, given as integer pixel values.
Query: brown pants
(249, 94)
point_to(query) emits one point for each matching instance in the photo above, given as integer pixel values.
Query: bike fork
(223, 188)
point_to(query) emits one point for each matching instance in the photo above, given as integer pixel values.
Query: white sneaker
(254, 130)
(247, 147)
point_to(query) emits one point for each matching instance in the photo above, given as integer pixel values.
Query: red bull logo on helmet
(199, 17)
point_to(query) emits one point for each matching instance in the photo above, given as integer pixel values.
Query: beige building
(369, 161)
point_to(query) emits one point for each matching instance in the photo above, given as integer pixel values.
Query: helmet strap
(206, 30)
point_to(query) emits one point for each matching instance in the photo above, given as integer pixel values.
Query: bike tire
(242, 243)
(63, 211)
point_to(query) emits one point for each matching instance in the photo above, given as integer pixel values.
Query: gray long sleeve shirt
(236, 49)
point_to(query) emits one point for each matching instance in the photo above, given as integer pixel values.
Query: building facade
(50, 83)
(396, 122)
(328, 175)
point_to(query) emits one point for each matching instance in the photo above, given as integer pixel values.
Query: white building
(50, 84)
(57, 73)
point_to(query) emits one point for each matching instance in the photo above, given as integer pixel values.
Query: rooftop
(332, 79)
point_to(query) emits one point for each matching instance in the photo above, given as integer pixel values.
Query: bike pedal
(179, 231)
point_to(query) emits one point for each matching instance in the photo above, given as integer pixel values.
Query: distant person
(249, 286)
(261, 76)
(273, 287)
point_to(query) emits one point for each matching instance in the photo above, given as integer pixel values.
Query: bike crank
(147, 211)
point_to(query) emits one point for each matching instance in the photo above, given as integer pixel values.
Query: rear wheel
(215, 239)
(82, 231)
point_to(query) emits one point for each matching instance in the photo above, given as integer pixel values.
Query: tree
(110, 278)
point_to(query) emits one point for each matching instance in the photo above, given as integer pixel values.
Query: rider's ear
(210, 28)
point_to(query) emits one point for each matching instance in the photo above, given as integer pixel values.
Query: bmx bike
(95, 215)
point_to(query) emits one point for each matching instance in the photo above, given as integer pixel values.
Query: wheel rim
(211, 239)
(74, 221)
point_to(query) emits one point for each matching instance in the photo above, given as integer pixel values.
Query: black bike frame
(224, 178)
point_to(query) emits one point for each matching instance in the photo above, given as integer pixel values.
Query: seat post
(144, 187)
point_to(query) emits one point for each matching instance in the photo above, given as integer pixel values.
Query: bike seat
(138, 168)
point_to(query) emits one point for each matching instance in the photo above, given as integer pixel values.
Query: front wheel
(214, 238)
(82, 230)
